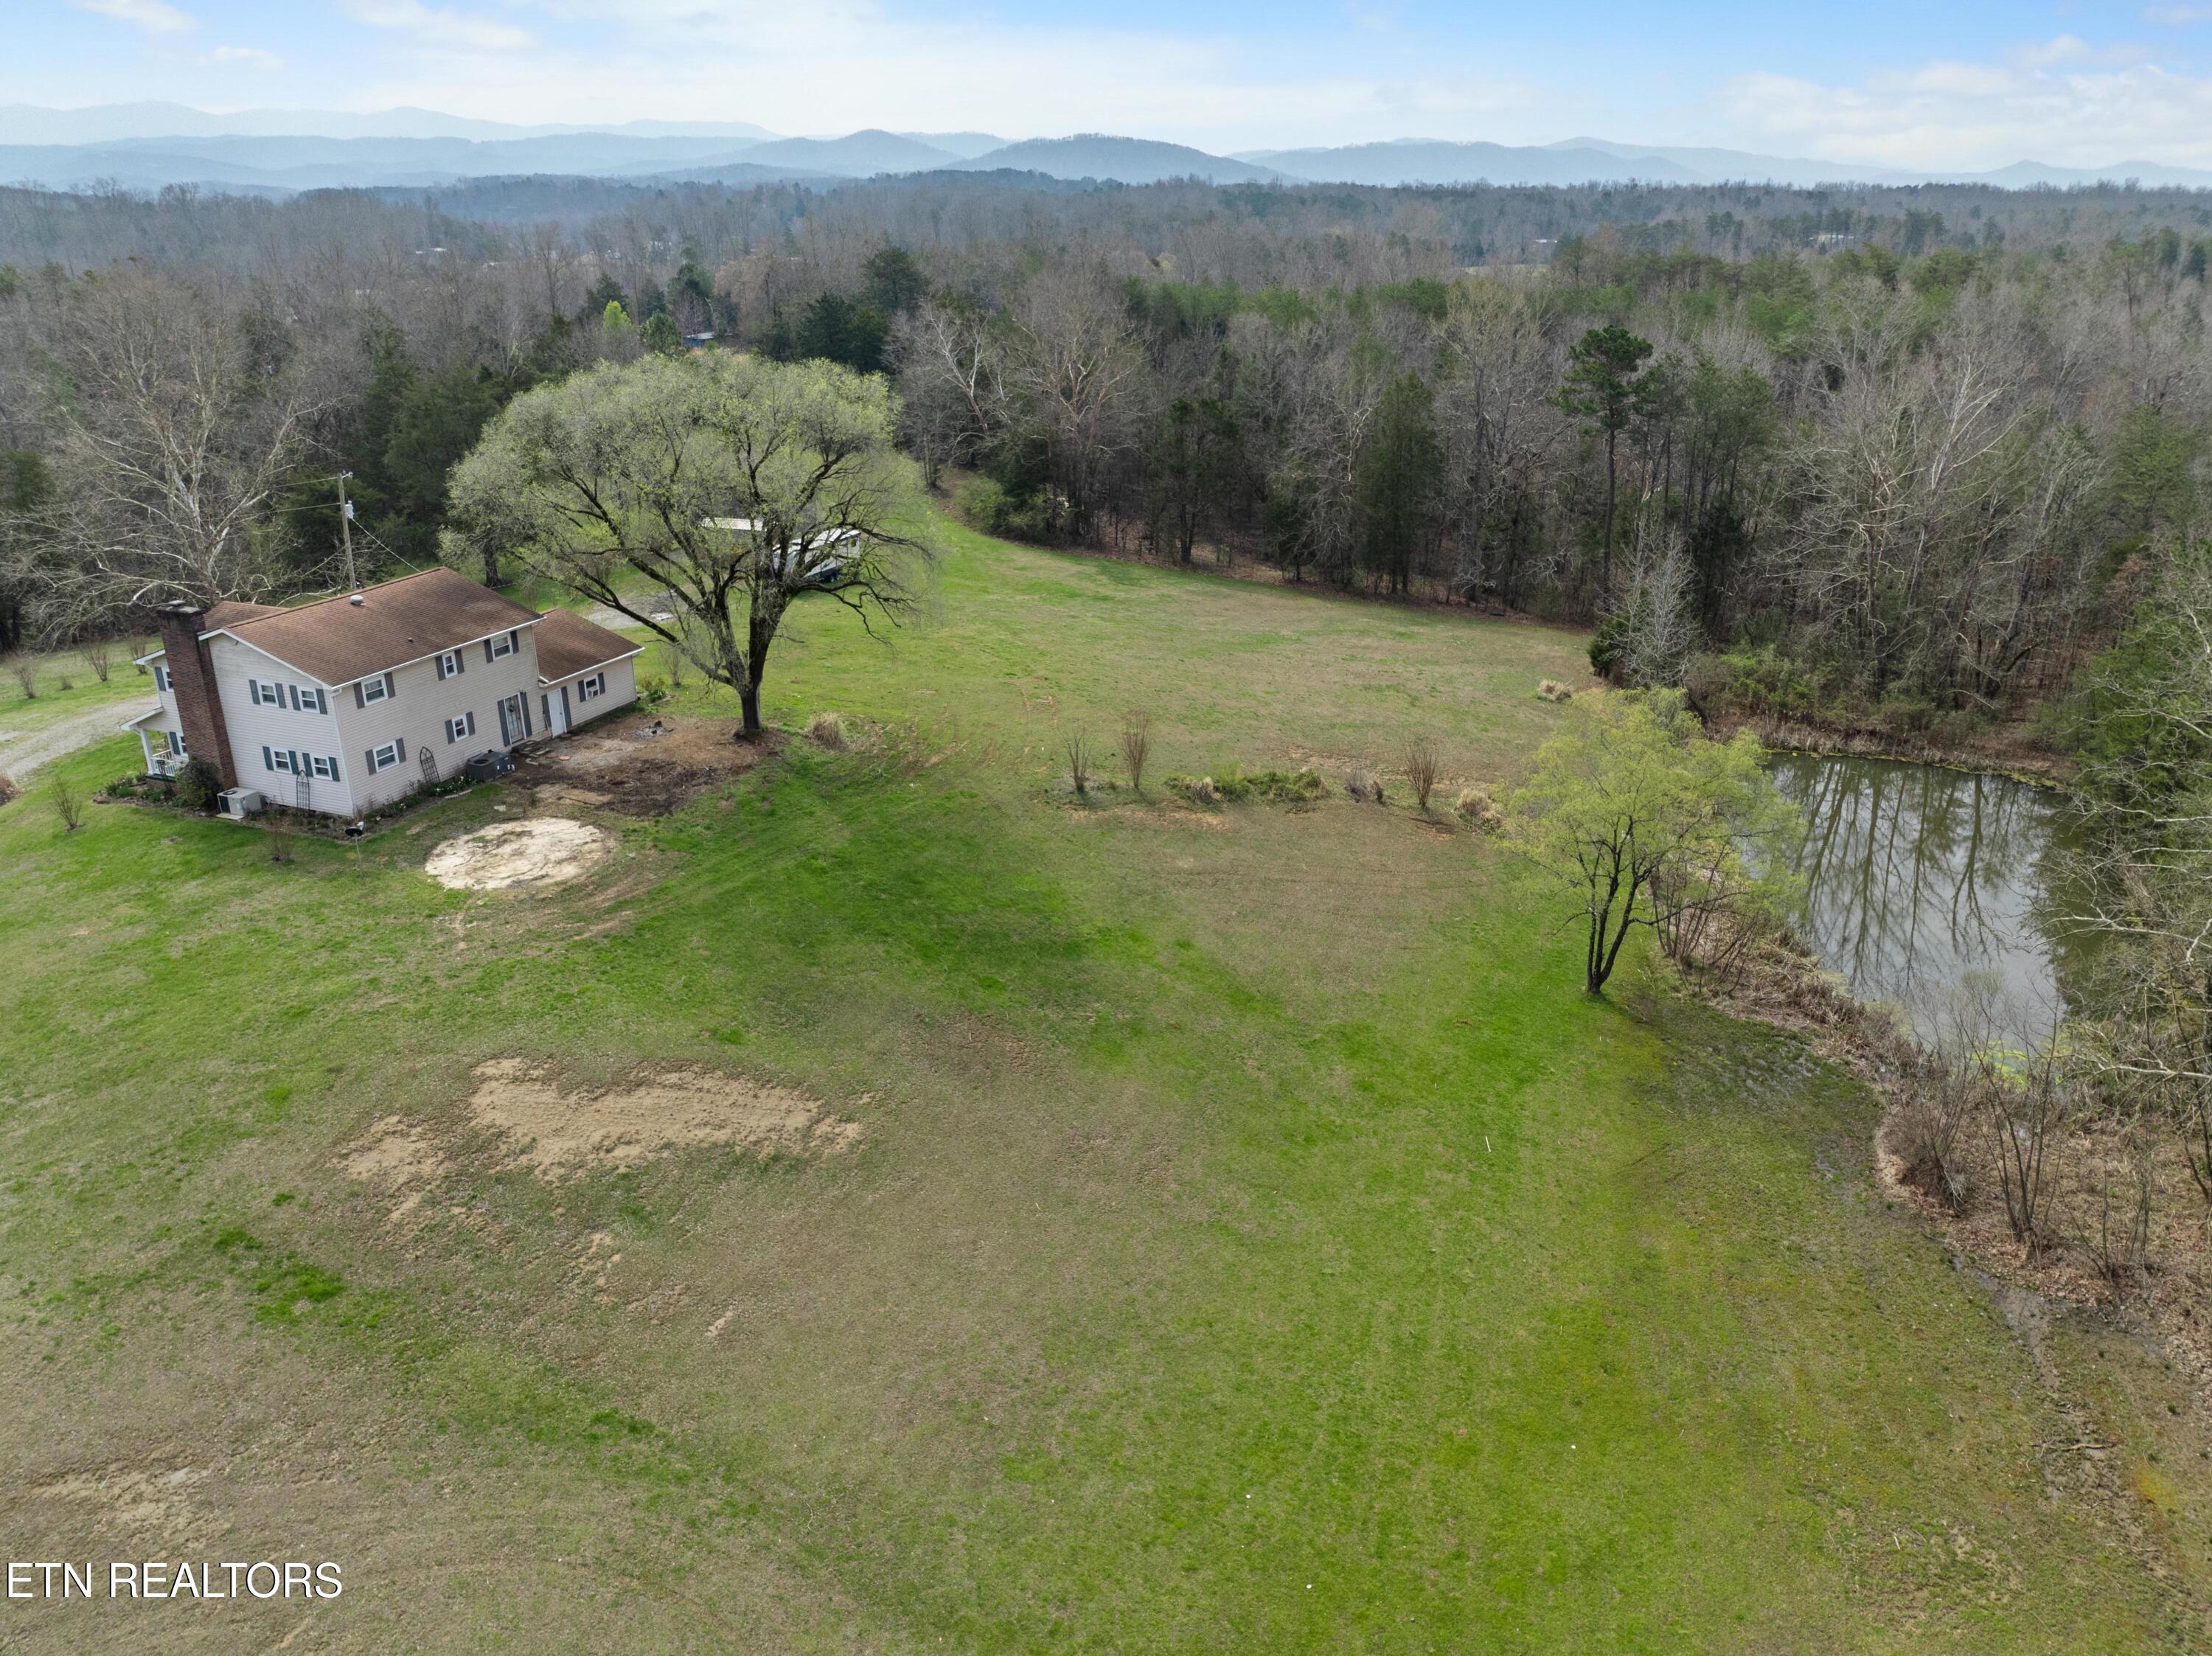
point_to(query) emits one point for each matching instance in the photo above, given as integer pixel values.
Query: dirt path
(22, 753)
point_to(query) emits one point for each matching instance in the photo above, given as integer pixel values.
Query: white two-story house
(344, 704)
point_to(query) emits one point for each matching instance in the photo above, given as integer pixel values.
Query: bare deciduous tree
(1136, 745)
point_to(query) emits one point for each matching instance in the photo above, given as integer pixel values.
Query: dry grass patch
(537, 851)
(559, 1131)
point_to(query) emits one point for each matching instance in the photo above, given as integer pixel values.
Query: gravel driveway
(20, 754)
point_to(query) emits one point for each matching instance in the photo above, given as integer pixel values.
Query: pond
(1919, 881)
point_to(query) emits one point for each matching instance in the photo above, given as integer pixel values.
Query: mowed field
(1253, 1240)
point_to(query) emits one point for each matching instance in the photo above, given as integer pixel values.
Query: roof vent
(356, 600)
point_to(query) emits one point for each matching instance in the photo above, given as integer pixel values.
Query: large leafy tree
(738, 486)
(1645, 819)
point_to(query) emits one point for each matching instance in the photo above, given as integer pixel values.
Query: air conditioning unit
(238, 803)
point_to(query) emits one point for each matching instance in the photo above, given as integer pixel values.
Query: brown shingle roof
(568, 645)
(337, 641)
(230, 612)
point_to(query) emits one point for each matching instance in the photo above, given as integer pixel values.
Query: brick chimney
(192, 680)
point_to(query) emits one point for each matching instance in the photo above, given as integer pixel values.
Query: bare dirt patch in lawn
(396, 1157)
(639, 764)
(136, 1501)
(535, 852)
(562, 1131)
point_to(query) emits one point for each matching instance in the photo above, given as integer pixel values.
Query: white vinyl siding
(616, 686)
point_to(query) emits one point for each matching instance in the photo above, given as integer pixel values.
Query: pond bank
(2016, 760)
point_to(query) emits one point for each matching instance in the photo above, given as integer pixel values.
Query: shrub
(652, 691)
(8, 788)
(67, 801)
(983, 503)
(1553, 690)
(198, 785)
(1608, 645)
(1136, 744)
(1277, 786)
(1761, 680)
(1477, 809)
(280, 841)
(1364, 786)
(1078, 762)
(827, 729)
(1421, 767)
(100, 656)
(24, 669)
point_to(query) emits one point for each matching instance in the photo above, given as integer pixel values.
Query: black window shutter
(441, 669)
(295, 698)
(390, 686)
(400, 748)
(488, 649)
(370, 754)
(359, 699)
(335, 777)
(268, 760)
(460, 661)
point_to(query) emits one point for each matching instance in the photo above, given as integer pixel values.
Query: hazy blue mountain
(309, 163)
(1421, 160)
(1129, 160)
(966, 145)
(2023, 174)
(1746, 165)
(30, 123)
(859, 154)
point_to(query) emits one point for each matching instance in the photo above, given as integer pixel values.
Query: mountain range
(147, 146)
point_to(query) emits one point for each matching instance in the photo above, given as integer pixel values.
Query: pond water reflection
(1918, 879)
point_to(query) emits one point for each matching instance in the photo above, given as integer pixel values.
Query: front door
(556, 711)
(511, 727)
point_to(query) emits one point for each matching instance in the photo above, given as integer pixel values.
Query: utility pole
(345, 528)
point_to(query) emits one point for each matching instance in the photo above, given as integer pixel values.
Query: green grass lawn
(1258, 1242)
(66, 687)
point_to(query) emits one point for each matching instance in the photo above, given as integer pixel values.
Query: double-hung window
(278, 760)
(449, 663)
(264, 693)
(323, 765)
(496, 648)
(460, 727)
(592, 688)
(373, 690)
(384, 757)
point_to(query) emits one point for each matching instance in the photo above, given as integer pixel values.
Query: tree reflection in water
(1918, 879)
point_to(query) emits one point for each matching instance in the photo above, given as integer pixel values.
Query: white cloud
(839, 64)
(250, 57)
(1979, 115)
(156, 16)
(440, 26)
(2177, 16)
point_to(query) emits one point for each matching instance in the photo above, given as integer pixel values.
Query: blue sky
(1935, 83)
